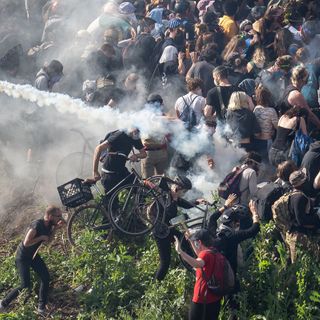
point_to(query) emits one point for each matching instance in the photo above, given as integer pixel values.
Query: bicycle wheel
(134, 209)
(163, 196)
(186, 247)
(90, 217)
(74, 165)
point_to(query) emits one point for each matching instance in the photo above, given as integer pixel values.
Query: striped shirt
(268, 120)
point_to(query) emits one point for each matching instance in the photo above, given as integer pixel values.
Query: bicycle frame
(183, 222)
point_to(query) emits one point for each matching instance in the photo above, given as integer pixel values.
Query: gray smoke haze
(42, 121)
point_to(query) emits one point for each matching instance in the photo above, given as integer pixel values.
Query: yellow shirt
(229, 27)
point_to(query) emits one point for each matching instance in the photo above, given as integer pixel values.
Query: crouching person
(27, 256)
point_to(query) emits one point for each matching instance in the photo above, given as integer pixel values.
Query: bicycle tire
(74, 165)
(164, 197)
(87, 217)
(185, 245)
(134, 209)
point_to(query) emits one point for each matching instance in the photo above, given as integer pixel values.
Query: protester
(218, 98)
(241, 120)
(40, 232)
(205, 304)
(49, 75)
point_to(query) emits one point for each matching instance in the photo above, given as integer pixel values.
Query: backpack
(268, 193)
(222, 280)
(281, 213)
(299, 147)
(188, 115)
(231, 183)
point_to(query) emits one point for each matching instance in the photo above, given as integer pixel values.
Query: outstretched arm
(96, 156)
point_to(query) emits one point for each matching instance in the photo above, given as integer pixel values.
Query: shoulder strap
(187, 106)
(297, 124)
(222, 105)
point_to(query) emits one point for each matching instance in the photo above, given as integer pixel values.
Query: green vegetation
(118, 282)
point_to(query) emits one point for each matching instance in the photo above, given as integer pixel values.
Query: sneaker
(42, 311)
(2, 307)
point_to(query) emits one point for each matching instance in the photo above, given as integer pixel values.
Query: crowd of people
(248, 70)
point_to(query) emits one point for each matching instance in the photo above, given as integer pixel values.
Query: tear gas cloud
(42, 121)
(61, 113)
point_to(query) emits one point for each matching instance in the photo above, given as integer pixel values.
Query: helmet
(235, 213)
(183, 182)
(153, 97)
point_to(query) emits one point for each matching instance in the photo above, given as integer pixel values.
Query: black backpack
(222, 280)
(231, 183)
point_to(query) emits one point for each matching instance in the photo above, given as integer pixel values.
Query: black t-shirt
(140, 53)
(213, 99)
(227, 242)
(119, 142)
(42, 230)
(311, 161)
(301, 210)
(203, 70)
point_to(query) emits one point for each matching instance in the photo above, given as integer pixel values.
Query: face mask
(135, 135)
(55, 78)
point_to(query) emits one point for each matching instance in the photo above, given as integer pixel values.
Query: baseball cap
(183, 182)
(202, 235)
(174, 23)
(298, 177)
(126, 8)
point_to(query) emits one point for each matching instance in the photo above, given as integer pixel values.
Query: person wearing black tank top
(291, 121)
(27, 256)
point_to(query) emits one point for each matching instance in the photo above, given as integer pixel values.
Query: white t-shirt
(197, 103)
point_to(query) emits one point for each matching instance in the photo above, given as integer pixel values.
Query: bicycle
(126, 211)
(186, 223)
(76, 164)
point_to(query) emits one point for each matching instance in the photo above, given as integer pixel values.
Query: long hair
(237, 42)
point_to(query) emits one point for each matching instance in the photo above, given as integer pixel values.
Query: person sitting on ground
(40, 232)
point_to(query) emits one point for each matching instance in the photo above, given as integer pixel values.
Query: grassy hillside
(117, 280)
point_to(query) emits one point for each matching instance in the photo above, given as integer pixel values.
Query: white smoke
(99, 121)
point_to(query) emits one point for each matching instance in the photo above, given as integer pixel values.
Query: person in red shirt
(205, 304)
